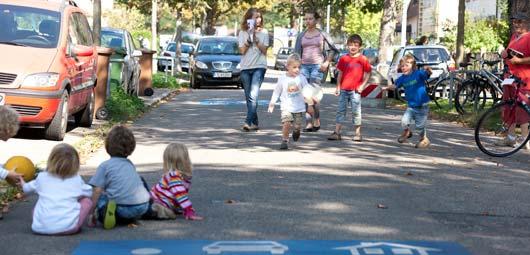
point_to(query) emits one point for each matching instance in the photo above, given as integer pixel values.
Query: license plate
(222, 75)
(2, 98)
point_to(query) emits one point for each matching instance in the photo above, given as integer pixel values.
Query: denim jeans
(252, 79)
(354, 100)
(418, 115)
(124, 213)
(312, 73)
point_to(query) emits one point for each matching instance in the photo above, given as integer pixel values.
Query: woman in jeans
(253, 44)
(316, 49)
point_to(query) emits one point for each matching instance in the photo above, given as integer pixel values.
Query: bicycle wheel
(491, 131)
(442, 88)
(470, 97)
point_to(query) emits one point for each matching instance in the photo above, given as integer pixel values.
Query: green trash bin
(116, 69)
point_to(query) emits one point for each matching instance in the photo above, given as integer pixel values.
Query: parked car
(125, 53)
(170, 51)
(216, 62)
(435, 56)
(49, 67)
(281, 58)
(370, 53)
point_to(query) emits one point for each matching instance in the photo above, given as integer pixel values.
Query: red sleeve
(341, 64)
(367, 67)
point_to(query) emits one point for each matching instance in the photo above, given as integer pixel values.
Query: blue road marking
(229, 102)
(287, 247)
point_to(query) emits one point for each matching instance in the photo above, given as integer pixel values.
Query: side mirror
(82, 51)
(137, 53)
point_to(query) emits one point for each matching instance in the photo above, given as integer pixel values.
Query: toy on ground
(21, 165)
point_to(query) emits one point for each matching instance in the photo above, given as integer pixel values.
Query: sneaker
(334, 136)
(357, 138)
(309, 129)
(109, 221)
(403, 137)
(296, 134)
(284, 146)
(423, 143)
(506, 141)
(246, 127)
(254, 127)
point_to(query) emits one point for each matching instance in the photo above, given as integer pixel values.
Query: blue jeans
(252, 79)
(124, 213)
(354, 100)
(418, 115)
(312, 73)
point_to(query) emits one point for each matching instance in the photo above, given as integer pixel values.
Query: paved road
(318, 189)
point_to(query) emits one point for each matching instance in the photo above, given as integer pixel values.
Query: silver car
(170, 51)
(125, 53)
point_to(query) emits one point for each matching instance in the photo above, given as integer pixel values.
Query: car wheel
(85, 117)
(56, 129)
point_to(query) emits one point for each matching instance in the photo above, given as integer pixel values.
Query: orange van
(48, 67)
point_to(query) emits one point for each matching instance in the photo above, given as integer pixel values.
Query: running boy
(289, 91)
(354, 72)
(413, 80)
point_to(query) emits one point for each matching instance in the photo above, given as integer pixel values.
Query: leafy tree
(364, 24)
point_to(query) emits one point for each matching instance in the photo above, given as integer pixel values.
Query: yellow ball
(22, 165)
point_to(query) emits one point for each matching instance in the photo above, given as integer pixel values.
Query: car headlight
(238, 66)
(41, 80)
(201, 65)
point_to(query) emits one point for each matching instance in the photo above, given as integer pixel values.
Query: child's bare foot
(91, 221)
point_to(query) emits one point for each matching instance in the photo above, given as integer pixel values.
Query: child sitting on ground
(413, 80)
(64, 198)
(120, 195)
(170, 194)
(289, 91)
(8, 129)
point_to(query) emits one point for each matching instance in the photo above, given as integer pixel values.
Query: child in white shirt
(64, 199)
(289, 91)
(8, 129)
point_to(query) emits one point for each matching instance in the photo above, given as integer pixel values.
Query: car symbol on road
(245, 246)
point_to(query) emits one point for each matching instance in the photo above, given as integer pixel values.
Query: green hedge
(122, 106)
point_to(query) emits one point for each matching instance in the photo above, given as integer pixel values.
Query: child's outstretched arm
(275, 95)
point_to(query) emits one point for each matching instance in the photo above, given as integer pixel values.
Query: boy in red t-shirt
(354, 72)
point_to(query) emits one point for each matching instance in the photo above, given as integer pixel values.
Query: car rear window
(29, 26)
(428, 54)
(112, 39)
(218, 47)
(285, 51)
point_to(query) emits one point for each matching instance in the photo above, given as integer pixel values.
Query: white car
(170, 51)
(435, 56)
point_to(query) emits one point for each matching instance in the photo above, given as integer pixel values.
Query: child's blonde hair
(293, 58)
(63, 161)
(409, 59)
(176, 157)
(8, 122)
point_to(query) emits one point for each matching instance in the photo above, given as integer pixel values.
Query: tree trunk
(460, 32)
(96, 22)
(388, 26)
(211, 19)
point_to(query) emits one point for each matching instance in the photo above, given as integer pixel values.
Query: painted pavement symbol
(230, 102)
(283, 247)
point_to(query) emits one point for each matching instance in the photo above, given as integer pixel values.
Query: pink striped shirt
(172, 192)
(312, 49)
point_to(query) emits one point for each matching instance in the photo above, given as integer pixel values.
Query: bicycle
(498, 131)
(484, 86)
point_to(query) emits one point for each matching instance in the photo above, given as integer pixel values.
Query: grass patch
(163, 80)
(122, 106)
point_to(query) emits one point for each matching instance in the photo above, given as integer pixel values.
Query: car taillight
(452, 66)
(166, 54)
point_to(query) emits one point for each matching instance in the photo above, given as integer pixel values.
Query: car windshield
(285, 51)
(27, 26)
(112, 39)
(218, 47)
(370, 52)
(184, 48)
(428, 55)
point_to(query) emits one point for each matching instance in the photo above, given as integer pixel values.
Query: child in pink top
(170, 194)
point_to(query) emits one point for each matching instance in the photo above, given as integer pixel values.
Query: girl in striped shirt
(170, 194)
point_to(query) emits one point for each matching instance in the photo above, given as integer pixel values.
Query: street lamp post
(404, 22)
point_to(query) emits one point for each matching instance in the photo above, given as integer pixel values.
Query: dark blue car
(216, 62)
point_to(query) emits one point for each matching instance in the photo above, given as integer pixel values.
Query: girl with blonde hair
(170, 194)
(64, 198)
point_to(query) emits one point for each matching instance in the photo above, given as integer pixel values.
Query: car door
(85, 65)
(74, 63)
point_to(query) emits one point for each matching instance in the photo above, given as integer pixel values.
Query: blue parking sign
(280, 247)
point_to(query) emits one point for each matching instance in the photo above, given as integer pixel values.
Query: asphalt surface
(320, 190)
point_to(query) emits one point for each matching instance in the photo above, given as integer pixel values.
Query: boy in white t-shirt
(289, 91)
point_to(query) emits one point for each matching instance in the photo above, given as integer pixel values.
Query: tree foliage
(367, 25)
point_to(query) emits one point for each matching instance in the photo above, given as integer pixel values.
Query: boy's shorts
(294, 117)
(312, 92)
